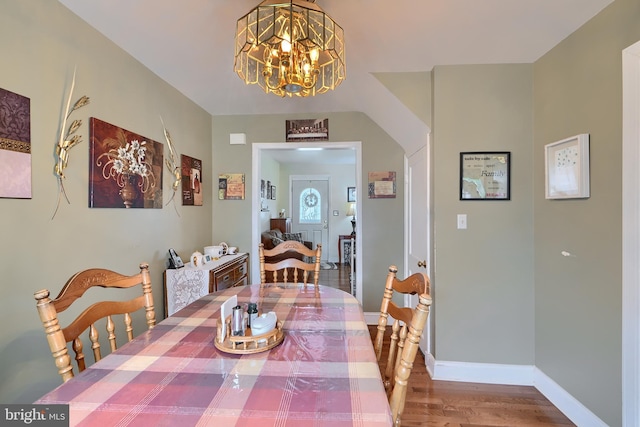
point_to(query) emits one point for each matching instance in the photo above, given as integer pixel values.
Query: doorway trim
(630, 235)
(257, 149)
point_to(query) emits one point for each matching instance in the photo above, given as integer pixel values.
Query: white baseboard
(486, 373)
(430, 362)
(492, 373)
(489, 373)
(371, 317)
(565, 402)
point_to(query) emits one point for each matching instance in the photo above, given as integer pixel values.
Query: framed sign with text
(485, 175)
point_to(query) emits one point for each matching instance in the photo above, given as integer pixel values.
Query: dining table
(323, 372)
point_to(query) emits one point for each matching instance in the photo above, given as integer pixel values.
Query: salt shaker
(237, 321)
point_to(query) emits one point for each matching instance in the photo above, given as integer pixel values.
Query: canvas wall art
(15, 145)
(125, 169)
(231, 186)
(382, 185)
(191, 181)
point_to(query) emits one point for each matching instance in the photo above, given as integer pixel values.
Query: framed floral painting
(125, 169)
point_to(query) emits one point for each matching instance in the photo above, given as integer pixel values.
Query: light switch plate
(462, 221)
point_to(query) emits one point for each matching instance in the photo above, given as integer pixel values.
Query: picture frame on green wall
(567, 168)
(485, 175)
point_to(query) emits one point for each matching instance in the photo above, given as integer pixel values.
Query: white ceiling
(190, 44)
(340, 156)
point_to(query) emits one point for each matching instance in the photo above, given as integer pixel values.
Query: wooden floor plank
(432, 403)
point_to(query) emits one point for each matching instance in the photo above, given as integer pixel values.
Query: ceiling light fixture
(290, 48)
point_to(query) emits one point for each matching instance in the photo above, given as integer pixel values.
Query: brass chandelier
(290, 48)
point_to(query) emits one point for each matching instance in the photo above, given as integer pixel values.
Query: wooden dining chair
(405, 337)
(292, 268)
(75, 287)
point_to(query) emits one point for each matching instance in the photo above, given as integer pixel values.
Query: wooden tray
(248, 343)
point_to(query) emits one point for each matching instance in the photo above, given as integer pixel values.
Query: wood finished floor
(457, 404)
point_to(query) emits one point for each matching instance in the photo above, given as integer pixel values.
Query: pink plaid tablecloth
(323, 374)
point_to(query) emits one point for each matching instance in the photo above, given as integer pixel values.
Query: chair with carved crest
(291, 269)
(405, 337)
(76, 286)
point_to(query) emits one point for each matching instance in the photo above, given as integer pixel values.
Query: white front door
(419, 233)
(310, 210)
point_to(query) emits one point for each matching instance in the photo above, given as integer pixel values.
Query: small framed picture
(567, 168)
(307, 130)
(382, 185)
(273, 192)
(485, 175)
(351, 194)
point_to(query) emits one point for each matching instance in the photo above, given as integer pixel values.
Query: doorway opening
(260, 150)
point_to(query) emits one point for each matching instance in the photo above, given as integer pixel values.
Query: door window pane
(310, 202)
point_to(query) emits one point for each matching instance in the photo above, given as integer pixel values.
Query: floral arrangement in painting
(67, 141)
(124, 166)
(127, 166)
(130, 159)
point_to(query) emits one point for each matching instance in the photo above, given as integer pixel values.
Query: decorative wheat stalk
(67, 141)
(172, 164)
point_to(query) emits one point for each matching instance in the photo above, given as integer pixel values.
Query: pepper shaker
(252, 311)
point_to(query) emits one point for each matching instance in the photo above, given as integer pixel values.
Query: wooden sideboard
(233, 273)
(184, 285)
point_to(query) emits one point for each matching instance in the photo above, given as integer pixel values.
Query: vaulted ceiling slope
(190, 44)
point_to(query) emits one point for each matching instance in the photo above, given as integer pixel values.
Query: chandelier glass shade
(290, 48)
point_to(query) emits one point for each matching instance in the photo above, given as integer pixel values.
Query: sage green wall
(41, 41)
(578, 89)
(413, 89)
(484, 274)
(382, 219)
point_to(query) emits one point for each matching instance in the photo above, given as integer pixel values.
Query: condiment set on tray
(247, 332)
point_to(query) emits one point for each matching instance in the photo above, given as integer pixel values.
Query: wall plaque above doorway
(307, 130)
